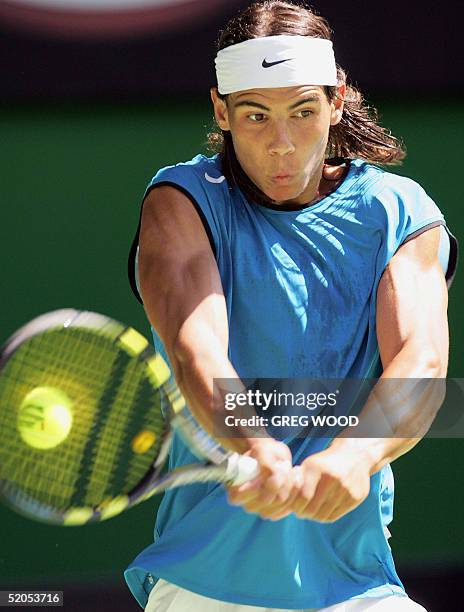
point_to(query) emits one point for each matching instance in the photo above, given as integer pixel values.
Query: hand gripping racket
(86, 410)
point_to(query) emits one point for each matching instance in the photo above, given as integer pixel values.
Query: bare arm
(184, 300)
(412, 334)
(412, 331)
(185, 303)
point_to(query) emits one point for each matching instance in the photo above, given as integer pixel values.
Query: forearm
(400, 408)
(197, 349)
(195, 371)
(195, 336)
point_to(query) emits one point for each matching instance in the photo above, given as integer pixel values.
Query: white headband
(275, 61)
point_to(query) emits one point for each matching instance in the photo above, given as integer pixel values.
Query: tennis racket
(86, 416)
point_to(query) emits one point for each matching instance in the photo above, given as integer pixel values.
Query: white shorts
(167, 597)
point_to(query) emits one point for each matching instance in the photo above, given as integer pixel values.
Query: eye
(257, 117)
(303, 114)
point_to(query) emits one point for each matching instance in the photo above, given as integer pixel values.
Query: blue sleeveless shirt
(300, 289)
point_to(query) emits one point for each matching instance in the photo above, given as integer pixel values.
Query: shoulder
(380, 184)
(202, 182)
(201, 171)
(387, 193)
(374, 181)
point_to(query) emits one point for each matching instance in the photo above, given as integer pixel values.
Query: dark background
(393, 48)
(86, 120)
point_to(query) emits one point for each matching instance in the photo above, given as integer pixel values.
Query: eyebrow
(254, 104)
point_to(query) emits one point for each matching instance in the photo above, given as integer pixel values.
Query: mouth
(282, 177)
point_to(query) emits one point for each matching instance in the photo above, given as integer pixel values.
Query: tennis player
(289, 254)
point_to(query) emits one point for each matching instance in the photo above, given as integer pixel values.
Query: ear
(337, 105)
(221, 111)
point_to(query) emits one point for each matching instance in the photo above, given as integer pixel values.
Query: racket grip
(241, 469)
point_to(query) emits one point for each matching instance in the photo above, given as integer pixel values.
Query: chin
(282, 194)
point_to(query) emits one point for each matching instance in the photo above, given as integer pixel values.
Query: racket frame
(222, 466)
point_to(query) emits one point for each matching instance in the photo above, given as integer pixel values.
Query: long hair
(358, 134)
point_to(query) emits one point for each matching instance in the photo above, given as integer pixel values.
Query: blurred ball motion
(45, 418)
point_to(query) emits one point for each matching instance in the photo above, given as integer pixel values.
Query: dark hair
(357, 135)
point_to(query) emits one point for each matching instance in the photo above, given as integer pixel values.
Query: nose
(281, 142)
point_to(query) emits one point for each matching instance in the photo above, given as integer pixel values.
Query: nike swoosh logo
(267, 64)
(211, 179)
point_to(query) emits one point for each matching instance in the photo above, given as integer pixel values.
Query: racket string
(57, 483)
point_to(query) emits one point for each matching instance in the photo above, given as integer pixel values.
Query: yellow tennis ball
(143, 441)
(45, 417)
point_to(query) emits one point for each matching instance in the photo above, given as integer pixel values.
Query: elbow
(433, 363)
(182, 351)
(188, 351)
(420, 360)
(198, 348)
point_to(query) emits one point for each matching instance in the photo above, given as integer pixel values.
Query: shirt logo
(211, 179)
(267, 64)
